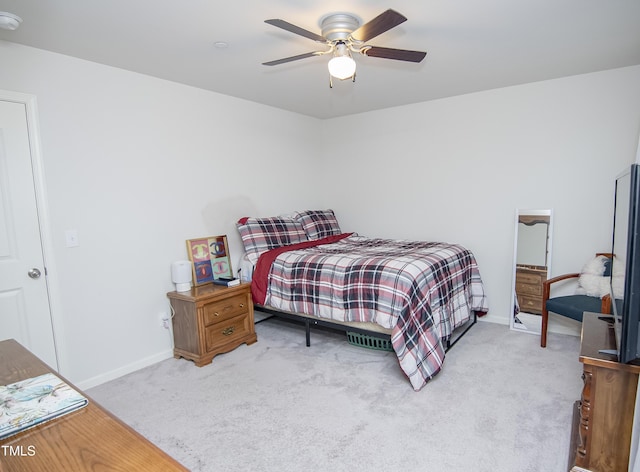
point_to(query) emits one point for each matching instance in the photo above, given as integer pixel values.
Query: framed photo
(209, 258)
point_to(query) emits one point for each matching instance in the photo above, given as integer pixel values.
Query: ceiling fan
(342, 34)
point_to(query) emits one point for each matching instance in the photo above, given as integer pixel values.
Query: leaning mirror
(531, 267)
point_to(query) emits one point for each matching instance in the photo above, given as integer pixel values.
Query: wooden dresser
(87, 439)
(529, 288)
(603, 418)
(211, 319)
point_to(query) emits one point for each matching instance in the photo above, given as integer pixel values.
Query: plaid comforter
(422, 291)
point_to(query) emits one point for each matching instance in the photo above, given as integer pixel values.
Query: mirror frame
(521, 212)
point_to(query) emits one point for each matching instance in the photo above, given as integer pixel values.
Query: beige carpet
(501, 403)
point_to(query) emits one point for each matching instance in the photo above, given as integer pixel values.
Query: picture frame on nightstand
(209, 258)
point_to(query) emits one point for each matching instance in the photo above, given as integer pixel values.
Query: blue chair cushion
(572, 306)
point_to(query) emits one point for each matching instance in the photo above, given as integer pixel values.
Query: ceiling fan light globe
(342, 67)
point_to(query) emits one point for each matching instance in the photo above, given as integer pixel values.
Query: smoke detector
(9, 21)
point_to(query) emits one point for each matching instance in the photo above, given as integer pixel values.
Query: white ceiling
(471, 45)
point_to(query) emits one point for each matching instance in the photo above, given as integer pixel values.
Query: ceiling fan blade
(296, 30)
(397, 54)
(292, 58)
(381, 23)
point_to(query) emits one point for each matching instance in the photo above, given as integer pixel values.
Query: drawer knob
(242, 305)
(216, 313)
(229, 331)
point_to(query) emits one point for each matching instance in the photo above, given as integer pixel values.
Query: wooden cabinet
(210, 320)
(603, 418)
(529, 281)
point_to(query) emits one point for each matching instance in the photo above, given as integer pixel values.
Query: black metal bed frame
(321, 322)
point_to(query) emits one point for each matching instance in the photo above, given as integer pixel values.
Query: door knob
(34, 273)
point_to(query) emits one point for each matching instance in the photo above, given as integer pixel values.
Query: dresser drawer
(225, 309)
(529, 278)
(528, 289)
(530, 304)
(221, 333)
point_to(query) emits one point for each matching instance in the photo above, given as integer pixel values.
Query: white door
(25, 313)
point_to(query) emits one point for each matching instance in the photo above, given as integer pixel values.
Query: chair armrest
(560, 277)
(546, 285)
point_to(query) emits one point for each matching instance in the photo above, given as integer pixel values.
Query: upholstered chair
(592, 294)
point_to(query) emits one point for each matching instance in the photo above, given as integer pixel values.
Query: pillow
(261, 234)
(592, 281)
(607, 266)
(318, 224)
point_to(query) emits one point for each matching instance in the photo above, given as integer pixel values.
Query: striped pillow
(262, 234)
(318, 224)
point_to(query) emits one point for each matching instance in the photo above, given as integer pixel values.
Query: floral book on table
(33, 401)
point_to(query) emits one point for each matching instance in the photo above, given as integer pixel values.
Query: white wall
(455, 169)
(138, 165)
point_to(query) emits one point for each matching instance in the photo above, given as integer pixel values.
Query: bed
(417, 293)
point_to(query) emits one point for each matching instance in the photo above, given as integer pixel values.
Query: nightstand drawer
(225, 309)
(222, 333)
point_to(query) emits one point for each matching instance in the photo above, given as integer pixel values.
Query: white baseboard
(562, 325)
(493, 318)
(557, 324)
(124, 370)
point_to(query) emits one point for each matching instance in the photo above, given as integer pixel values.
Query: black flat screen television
(625, 267)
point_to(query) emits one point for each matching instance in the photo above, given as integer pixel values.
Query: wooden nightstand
(211, 319)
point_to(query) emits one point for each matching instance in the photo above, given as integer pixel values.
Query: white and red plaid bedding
(420, 290)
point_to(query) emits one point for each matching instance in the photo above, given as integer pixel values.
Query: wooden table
(85, 440)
